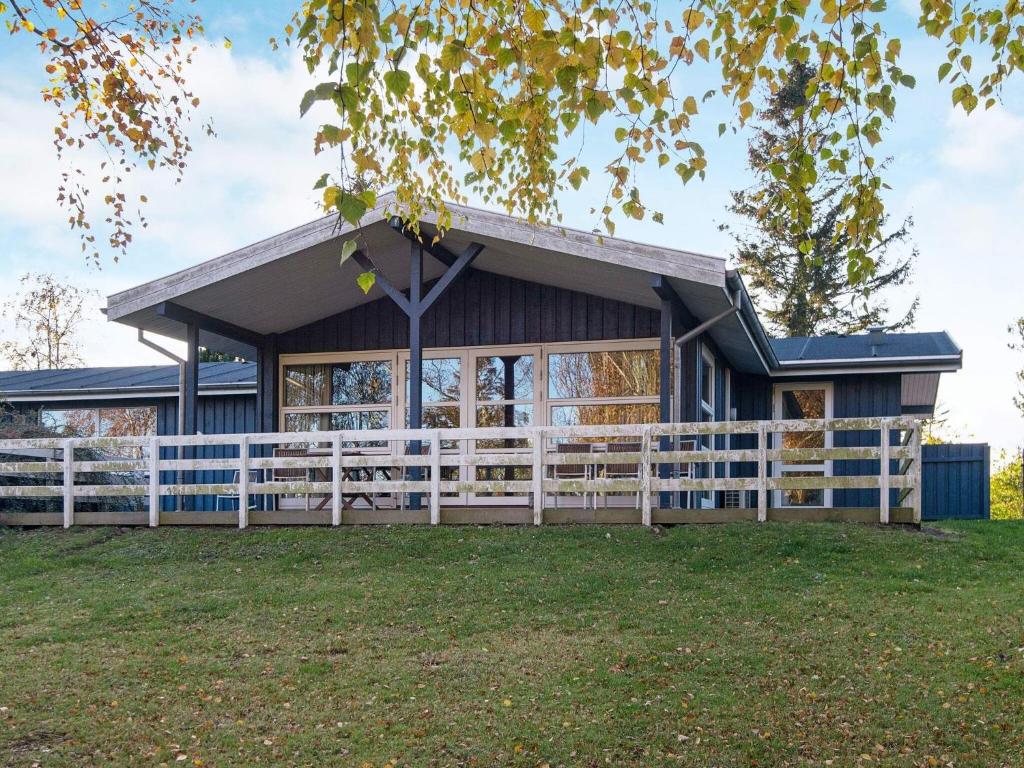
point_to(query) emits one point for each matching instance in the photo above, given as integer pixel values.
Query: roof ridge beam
(436, 250)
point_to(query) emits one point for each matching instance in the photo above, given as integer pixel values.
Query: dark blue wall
(217, 415)
(858, 396)
(480, 308)
(955, 482)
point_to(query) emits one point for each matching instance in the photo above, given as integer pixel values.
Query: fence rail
(652, 466)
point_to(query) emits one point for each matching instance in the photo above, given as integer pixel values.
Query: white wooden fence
(345, 469)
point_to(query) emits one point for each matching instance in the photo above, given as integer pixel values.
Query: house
(635, 355)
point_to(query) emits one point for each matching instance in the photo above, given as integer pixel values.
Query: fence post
(645, 476)
(154, 482)
(883, 475)
(435, 477)
(69, 482)
(243, 481)
(915, 443)
(337, 500)
(762, 473)
(538, 476)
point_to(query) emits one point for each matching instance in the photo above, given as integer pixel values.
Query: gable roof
(868, 350)
(293, 279)
(123, 382)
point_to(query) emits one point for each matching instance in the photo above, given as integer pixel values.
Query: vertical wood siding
(955, 482)
(479, 309)
(217, 415)
(862, 395)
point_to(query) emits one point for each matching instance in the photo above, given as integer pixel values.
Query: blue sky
(962, 179)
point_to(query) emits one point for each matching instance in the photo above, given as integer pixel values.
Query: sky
(960, 178)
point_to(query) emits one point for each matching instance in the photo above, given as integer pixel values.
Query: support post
(190, 382)
(415, 363)
(762, 473)
(915, 443)
(435, 477)
(69, 482)
(665, 391)
(154, 482)
(883, 474)
(538, 476)
(190, 403)
(243, 482)
(337, 499)
(645, 476)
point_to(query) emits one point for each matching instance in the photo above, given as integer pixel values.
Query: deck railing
(685, 465)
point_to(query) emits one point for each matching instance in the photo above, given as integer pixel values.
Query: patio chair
(573, 471)
(287, 475)
(254, 476)
(627, 471)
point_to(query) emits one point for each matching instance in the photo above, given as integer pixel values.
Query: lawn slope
(738, 645)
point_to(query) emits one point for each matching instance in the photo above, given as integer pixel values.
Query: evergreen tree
(798, 293)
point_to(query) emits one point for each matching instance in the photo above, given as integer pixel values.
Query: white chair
(253, 478)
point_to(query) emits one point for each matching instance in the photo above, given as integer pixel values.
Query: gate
(955, 482)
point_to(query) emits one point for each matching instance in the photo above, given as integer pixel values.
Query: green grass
(706, 646)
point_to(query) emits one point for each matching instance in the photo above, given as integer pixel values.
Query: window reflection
(508, 377)
(624, 413)
(442, 380)
(504, 416)
(803, 404)
(354, 383)
(581, 375)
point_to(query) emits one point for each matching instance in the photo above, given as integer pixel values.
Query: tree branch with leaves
(116, 77)
(512, 89)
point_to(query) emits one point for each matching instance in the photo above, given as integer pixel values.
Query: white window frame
(779, 469)
(541, 403)
(326, 358)
(617, 345)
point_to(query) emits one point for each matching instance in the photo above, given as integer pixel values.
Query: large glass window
(603, 387)
(338, 396)
(355, 383)
(100, 422)
(504, 396)
(138, 421)
(587, 375)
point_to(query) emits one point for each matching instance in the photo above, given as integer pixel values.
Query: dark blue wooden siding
(479, 309)
(859, 396)
(955, 482)
(217, 415)
(853, 396)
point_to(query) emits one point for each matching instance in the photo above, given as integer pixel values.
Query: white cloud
(252, 180)
(969, 231)
(987, 141)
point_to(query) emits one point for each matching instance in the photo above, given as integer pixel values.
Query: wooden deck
(438, 485)
(472, 516)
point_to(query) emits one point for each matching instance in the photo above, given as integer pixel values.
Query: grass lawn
(767, 645)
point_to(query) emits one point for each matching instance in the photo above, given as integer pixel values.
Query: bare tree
(48, 312)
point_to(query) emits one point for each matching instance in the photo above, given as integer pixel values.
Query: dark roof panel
(864, 346)
(129, 377)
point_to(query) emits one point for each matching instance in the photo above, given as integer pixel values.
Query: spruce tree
(798, 293)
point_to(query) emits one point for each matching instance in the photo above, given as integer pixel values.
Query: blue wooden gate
(955, 481)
